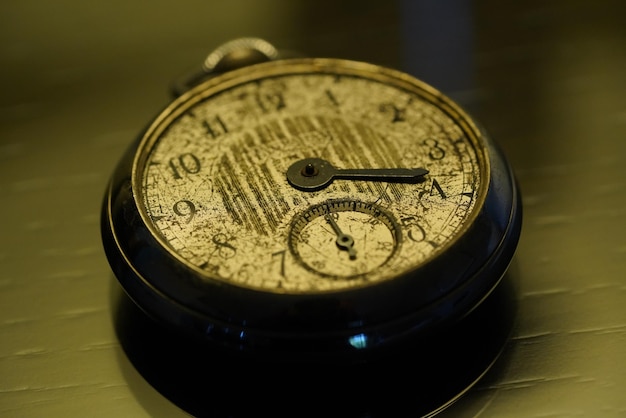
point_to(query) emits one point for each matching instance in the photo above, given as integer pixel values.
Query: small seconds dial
(215, 188)
(344, 239)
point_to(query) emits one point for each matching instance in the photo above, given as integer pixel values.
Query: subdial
(344, 239)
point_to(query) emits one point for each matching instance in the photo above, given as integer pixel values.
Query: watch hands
(311, 174)
(344, 241)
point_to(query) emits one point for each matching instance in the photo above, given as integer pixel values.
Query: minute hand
(312, 174)
(388, 174)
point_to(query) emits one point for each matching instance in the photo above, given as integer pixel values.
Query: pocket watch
(309, 208)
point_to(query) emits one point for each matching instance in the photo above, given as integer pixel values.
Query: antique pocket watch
(309, 208)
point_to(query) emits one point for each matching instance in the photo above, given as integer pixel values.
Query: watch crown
(239, 53)
(229, 56)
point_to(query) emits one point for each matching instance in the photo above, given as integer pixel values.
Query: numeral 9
(185, 208)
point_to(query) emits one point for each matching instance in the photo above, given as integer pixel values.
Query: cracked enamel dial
(211, 177)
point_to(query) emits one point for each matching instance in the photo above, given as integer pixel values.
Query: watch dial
(211, 178)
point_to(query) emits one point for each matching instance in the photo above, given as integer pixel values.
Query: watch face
(398, 174)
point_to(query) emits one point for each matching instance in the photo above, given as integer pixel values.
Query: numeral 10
(185, 163)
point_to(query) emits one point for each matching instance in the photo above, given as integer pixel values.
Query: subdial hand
(311, 174)
(344, 241)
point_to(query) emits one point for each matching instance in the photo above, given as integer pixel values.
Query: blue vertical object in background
(439, 45)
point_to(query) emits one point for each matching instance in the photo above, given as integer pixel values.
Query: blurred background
(79, 80)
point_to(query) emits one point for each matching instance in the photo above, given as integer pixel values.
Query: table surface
(80, 80)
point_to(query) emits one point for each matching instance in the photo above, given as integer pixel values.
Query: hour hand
(311, 174)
